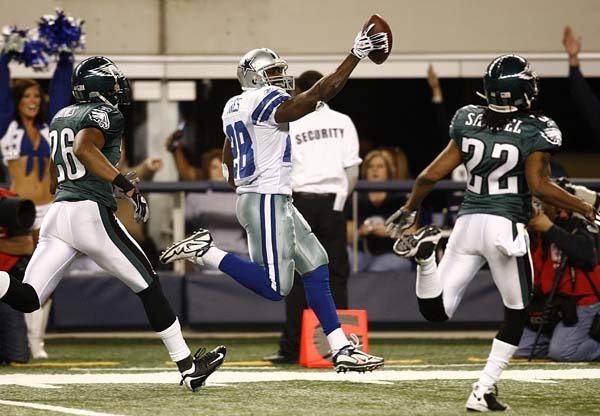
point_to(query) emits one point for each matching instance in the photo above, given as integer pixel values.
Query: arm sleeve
(352, 177)
(60, 85)
(110, 122)
(266, 106)
(579, 247)
(587, 103)
(546, 136)
(7, 106)
(351, 145)
(454, 130)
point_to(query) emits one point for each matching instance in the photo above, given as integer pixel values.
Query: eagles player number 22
(74, 168)
(241, 145)
(474, 183)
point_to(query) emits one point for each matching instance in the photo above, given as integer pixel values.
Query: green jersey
(495, 161)
(75, 183)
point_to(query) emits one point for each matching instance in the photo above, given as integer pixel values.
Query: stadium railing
(179, 189)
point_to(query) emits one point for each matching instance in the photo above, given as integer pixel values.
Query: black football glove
(141, 211)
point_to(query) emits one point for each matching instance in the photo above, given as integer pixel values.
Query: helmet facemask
(278, 78)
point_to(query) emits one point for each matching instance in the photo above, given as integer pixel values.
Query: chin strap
(95, 94)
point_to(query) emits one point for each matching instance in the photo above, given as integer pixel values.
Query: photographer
(567, 333)
(16, 245)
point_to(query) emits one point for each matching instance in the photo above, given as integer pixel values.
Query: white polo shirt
(324, 143)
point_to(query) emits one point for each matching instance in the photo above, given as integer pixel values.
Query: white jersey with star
(261, 147)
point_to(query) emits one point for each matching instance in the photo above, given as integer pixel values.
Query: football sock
(173, 340)
(157, 307)
(213, 256)
(496, 363)
(248, 274)
(21, 296)
(4, 283)
(320, 300)
(429, 284)
(337, 340)
(186, 366)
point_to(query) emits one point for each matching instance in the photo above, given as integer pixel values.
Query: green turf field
(421, 377)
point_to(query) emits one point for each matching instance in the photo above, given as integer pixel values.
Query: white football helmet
(253, 67)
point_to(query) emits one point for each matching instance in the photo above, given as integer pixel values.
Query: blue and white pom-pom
(24, 47)
(61, 33)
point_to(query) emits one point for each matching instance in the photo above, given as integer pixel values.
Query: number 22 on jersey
(241, 147)
(500, 151)
(67, 164)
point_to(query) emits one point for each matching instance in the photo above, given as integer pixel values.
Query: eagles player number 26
(74, 168)
(474, 183)
(241, 145)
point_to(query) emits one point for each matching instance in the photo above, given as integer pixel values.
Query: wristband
(122, 182)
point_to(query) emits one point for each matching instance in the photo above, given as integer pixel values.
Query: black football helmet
(509, 84)
(98, 79)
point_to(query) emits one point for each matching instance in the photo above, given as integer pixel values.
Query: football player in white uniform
(257, 162)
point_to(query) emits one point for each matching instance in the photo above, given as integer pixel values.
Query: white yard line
(226, 377)
(276, 368)
(59, 409)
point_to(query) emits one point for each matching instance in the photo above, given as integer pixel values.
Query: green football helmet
(98, 79)
(509, 84)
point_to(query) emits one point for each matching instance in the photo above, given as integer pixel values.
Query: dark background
(393, 113)
(386, 112)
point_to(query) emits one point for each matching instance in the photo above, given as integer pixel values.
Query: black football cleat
(205, 363)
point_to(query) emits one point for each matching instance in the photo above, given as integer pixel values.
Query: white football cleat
(421, 244)
(191, 248)
(484, 400)
(350, 358)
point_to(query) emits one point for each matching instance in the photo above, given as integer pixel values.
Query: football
(381, 25)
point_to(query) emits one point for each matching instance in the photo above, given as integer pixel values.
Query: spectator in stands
(187, 171)
(556, 235)
(16, 245)
(375, 246)
(215, 210)
(25, 145)
(145, 171)
(585, 100)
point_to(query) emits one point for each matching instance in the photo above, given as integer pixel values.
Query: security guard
(324, 172)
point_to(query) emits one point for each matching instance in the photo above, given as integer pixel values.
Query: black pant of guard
(329, 227)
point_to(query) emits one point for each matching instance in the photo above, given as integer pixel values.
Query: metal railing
(179, 189)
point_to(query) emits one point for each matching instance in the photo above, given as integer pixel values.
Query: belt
(310, 195)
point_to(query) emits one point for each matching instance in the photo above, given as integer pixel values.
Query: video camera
(16, 212)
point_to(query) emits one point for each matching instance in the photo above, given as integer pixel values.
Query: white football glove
(141, 211)
(364, 43)
(400, 221)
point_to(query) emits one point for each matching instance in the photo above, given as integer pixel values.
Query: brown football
(379, 56)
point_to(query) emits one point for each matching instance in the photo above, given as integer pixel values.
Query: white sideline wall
(199, 27)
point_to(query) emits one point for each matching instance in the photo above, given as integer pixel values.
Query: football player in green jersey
(85, 141)
(506, 149)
